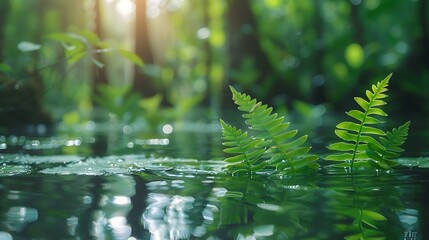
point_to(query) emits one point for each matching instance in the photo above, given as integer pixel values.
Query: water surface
(123, 185)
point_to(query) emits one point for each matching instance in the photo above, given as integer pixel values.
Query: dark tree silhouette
(244, 43)
(99, 75)
(142, 82)
(4, 10)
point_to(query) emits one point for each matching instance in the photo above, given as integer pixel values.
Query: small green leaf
(341, 146)
(362, 102)
(358, 115)
(134, 58)
(349, 126)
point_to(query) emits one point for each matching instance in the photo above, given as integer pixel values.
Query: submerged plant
(358, 145)
(273, 146)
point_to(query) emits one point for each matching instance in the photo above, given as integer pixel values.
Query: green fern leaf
(357, 135)
(247, 151)
(285, 151)
(391, 147)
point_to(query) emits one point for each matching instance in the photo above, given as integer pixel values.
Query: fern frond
(285, 150)
(247, 151)
(390, 149)
(357, 135)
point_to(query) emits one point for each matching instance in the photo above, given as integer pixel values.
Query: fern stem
(286, 158)
(357, 140)
(370, 104)
(249, 170)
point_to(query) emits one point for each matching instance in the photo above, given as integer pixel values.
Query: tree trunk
(244, 43)
(208, 54)
(4, 10)
(357, 24)
(413, 70)
(318, 89)
(142, 83)
(99, 75)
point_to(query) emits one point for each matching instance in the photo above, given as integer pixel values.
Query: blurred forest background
(62, 59)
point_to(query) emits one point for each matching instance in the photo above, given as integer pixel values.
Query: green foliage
(80, 45)
(390, 147)
(134, 58)
(129, 107)
(152, 112)
(247, 150)
(5, 68)
(277, 145)
(119, 101)
(358, 145)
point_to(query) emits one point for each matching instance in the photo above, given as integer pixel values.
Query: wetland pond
(114, 183)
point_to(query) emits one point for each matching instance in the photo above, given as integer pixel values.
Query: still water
(121, 185)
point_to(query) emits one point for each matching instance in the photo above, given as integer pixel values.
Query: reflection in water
(167, 204)
(72, 224)
(142, 191)
(167, 218)
(120, 228)
(19, 217)
(5, 236)
(410, 222)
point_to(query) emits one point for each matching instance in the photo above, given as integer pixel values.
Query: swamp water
(107, 184)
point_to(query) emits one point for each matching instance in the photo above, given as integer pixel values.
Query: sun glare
(125, 7)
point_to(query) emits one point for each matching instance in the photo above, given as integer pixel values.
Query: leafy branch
(276, 145)
(390, 147)
(358, 145)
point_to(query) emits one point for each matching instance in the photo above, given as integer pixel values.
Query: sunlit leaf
(274, 143)
(134, 58)
(151, 104)
(358, 143)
